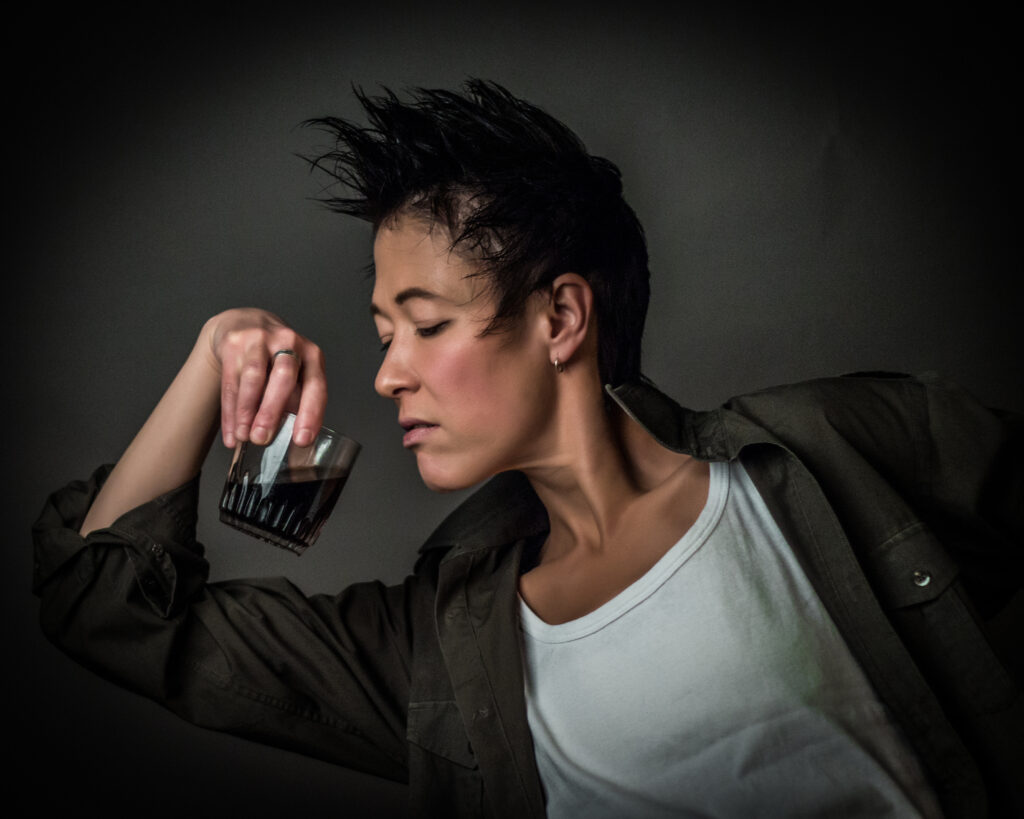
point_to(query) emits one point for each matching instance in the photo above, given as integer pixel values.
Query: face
(470, 405)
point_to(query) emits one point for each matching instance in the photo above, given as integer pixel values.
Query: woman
(644, 611)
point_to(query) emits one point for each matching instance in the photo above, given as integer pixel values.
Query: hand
(257, 386)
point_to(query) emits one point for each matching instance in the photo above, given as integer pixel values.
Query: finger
(228, 398)
(313, 398)
(281, 383)
(252, 379)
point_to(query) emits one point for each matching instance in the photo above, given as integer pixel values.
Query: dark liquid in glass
(288, 511)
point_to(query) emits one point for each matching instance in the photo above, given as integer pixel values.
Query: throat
(564, 578)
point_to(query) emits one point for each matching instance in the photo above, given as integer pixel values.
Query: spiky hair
(517, 192)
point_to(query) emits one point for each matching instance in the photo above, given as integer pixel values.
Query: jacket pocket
(437, 727)
(444, 780)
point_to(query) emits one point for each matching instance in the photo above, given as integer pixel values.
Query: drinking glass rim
(332, 433)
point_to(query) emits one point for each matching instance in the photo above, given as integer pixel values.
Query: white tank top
(715, 685)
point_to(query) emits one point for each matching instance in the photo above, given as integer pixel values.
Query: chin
(441, 480)
(444, 485)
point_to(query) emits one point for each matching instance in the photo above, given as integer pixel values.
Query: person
(777, 607)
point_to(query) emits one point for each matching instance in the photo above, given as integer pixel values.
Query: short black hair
(516, 190)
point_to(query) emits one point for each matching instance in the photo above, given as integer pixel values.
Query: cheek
(455, 370)
(488, 387)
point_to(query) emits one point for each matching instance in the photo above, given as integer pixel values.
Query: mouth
(415, 431)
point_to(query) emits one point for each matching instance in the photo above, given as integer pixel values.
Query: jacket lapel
(478, 629)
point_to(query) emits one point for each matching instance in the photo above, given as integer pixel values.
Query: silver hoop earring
(559, 366)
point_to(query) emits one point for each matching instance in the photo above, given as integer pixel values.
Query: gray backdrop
(820, 195)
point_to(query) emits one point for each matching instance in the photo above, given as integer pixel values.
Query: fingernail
(259, 435)
(303, 437)
(242, 432)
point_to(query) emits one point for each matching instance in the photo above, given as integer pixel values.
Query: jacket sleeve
(323, 675)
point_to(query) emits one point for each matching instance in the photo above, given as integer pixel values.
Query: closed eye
(423, 332)
(433, 330)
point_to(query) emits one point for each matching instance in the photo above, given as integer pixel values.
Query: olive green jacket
(901, 497)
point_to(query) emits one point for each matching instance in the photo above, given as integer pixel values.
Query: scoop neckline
(643, 587)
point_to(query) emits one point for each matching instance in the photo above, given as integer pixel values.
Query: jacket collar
(695, 433)
(506, 508)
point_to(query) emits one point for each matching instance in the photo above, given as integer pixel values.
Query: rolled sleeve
(159, 539)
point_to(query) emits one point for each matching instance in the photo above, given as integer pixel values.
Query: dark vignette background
(821, 194)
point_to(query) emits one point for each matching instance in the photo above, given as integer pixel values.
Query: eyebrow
(405, 295)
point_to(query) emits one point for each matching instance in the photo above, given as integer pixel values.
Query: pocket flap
(437, 727)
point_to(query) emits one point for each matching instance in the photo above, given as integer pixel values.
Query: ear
(570, 315)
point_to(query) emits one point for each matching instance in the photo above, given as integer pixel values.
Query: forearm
(232, 376)
(170, 447)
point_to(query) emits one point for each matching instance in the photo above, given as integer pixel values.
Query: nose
(395, 375)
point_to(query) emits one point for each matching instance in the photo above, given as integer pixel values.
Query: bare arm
(231, 375)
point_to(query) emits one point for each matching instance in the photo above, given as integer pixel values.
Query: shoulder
(926, 434)
(863, 403)
(875, 405)
(863, 388)
(880, 418)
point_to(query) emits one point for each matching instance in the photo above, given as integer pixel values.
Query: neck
(601, 463)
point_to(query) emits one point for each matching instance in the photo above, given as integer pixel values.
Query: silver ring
(273, 358)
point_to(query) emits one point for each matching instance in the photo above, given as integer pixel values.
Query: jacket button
(157, 550)
(922, 578)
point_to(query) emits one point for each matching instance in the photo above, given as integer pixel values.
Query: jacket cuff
(155, 534)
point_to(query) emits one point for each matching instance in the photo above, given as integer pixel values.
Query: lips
(416, 430)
